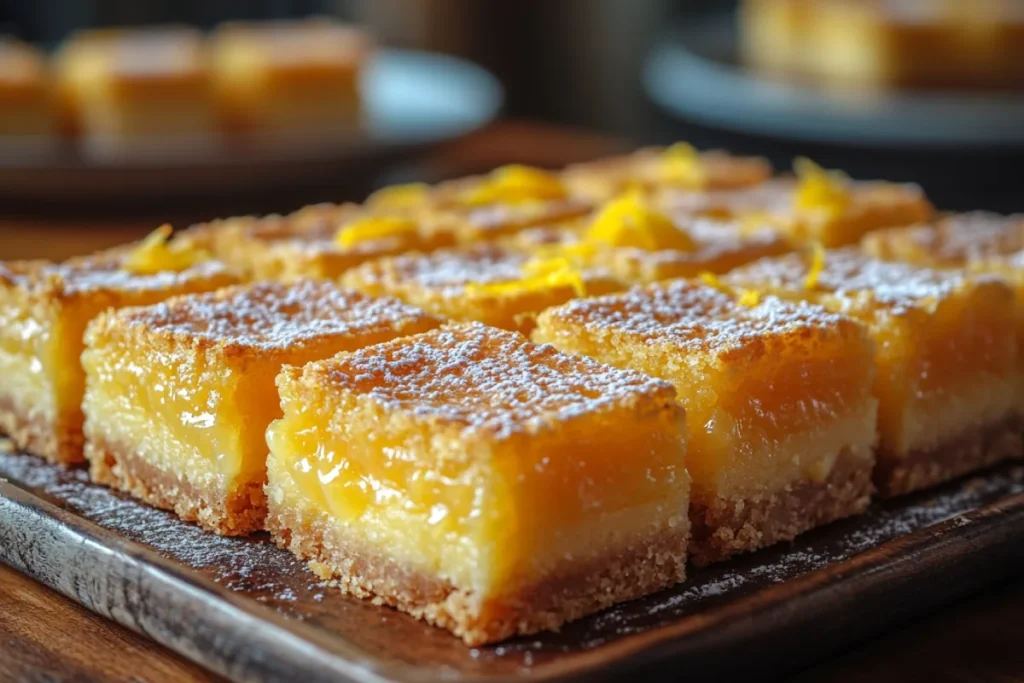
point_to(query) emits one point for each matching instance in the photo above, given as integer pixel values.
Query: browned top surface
(484, 379)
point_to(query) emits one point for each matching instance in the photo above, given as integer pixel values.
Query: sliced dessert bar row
(486, 484)
(984, 243)
(777, 397)
(179, 395)
(44, 310)
(946, 357)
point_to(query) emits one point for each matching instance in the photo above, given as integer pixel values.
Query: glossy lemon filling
(491, 517)
(27, 361)
(757, 431)
(943, 372)
(187, 417)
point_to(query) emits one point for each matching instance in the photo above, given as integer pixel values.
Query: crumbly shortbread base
(729, 526)
(57, 441)
(575, 591)
(975, 449)
(239, 512)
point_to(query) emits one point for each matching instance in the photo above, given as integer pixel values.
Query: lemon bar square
(486, 484)
(817, 207)
(44, 310)
(978, 241)
(239, 241)
(678, 166)
(288, 80)
(692, 246)
(718, 247)
(639, 242)
(137, 91)
(488, 283)
(778, 400)
(28, 115)
(179, 395)
(505, 201)
(320, 242)
(945, 355)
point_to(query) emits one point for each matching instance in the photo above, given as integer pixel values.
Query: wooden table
(44, 636)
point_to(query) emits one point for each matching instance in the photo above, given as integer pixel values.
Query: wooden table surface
(45, 637)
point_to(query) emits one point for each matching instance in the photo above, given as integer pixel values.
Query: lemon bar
(778, 400)
(818, 206)
(978, 241)
(505, 201)
(28, 117)
(44, 310)
(491, 284)
(872, 43)
(321, 241)
(179, 395)
(238, 241)
(630, 237)
(679, 166)
(485, 484)
(290, 79)
(137, 91)
(945, 354)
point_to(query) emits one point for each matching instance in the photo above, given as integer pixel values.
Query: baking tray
(251, 612)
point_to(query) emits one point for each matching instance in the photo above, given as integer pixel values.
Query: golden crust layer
(241, 511)
(578, 590)
(727, 527)
(984, 446)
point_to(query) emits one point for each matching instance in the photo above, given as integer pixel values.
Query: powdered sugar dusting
(94, 275)
(692, 316)
(963, 239)
(773, 196)
(449, 271)
(850, 273)
(484, 379)
(271, 315)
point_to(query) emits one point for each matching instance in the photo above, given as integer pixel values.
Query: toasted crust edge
(649, 566)
(237, 512)
(729, 526)
(975, 449)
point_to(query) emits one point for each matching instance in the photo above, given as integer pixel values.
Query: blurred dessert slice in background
(289, 79)
(887, 44)
(137, 91)
(28, 120)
